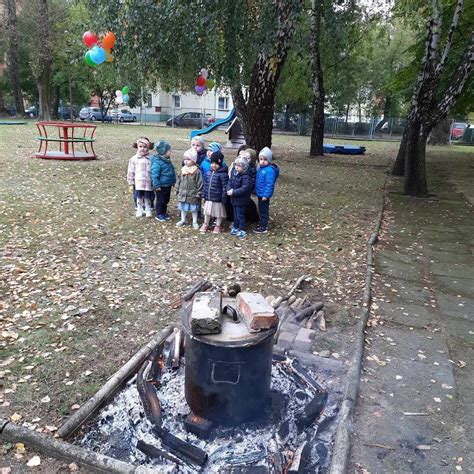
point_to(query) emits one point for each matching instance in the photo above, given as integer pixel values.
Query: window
(149, 100)
(223, 103)
(177, 101)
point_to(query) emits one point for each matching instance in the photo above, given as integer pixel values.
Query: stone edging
(342, 443)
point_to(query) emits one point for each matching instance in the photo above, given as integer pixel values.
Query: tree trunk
(415, 173)
(13, 55)
(387, 108)
(399, 165)
(55, 103)
(256, 111)
(43, 78)
(317, 131)
(440, 133)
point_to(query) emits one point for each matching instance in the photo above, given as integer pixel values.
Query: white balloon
(118, 93)
(204, 72)
(119, 100)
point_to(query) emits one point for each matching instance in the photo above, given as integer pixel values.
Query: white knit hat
(267, 153)
(190, 155)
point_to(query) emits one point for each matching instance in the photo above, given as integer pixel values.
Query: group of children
(204, 175)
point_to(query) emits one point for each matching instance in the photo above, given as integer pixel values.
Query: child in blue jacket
(239, 189)
(163, 177)
(267, 174)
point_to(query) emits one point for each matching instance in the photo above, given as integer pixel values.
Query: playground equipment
(69, 136)
(214, 125)
(344, 149)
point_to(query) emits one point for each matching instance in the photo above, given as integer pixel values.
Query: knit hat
(200, 139)
(240, 160)
(190, 155)
(217, 157)
(162, 147)
(214, 146)
(267, 153)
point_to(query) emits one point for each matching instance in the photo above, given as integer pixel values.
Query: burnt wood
(306, 376)
(304, 313)
(201, 285)
(154, 452)
(311, 411)
(148, 396)
(185, 451)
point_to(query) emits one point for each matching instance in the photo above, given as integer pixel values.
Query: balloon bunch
(202, 82)
(100, 51)
(121, 97)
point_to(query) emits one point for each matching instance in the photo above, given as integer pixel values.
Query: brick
(286, 339)
(303, 339)
(256, 312)
(290, 327)
(206, 313)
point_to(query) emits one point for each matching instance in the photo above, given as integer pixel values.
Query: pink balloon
(200, 89)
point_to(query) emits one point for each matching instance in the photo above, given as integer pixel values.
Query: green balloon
(210, 83)
(125, 90)
(88, 60)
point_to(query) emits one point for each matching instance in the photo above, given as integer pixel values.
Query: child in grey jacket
(188, 188)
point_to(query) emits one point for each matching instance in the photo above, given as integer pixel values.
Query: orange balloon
(108, 40)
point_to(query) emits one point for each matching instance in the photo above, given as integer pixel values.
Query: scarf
(185, 170)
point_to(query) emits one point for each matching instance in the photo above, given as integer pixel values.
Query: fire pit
(244, 407)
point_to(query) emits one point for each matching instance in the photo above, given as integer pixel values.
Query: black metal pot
(227, 375)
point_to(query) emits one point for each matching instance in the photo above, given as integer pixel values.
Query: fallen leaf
(34, 461)
(45, 399)
(16, 417)
(461, 364)
(423, 447)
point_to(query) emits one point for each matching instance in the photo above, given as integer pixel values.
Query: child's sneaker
(260, 230)
(180, 223)
(204, 228)
(139, 213)
(233, 231)
(195, 226)
(161, 218)
(241, 234)
(217, 229)
(167, 217)
(148, 213)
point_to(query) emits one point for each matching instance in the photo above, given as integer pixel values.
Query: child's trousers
(264, 211)
(162, 200)
(239, 217)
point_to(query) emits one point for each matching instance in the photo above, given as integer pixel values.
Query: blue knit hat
(162, 147)
(214, 146)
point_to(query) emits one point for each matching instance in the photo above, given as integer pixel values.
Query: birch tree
(430, 102)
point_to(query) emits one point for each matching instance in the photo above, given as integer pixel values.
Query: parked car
(93, 114)
(123, 115)
(190, 119)
(32, 111)
(66, 113)
(458, 130)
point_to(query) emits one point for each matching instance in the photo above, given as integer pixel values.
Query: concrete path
(415, 410)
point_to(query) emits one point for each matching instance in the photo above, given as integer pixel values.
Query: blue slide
(214, 125)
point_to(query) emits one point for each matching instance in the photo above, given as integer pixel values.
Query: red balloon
(90, 39)
(200, 81)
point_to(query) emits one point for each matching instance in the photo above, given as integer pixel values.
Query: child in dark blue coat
(239, 189)
(215, 193)
(163, 177)
(267, 174)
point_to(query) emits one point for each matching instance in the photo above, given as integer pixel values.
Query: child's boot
(217, 229)
(204, 228)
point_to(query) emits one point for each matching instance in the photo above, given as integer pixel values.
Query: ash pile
(214, 397)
